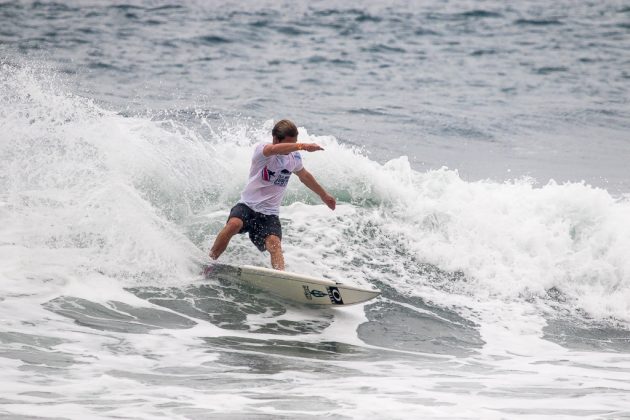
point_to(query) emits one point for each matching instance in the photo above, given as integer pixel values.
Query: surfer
(257, 211)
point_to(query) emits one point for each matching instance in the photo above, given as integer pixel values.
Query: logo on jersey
(267, 174)
(281, 179)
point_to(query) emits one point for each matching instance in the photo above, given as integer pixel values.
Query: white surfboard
(296, 287)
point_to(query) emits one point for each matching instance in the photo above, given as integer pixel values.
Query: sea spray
(142, 198)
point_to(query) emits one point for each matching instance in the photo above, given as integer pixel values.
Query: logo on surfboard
(332, 292)
(308, 293)
(334, 295)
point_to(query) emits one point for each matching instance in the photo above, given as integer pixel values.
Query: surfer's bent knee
(234, 225)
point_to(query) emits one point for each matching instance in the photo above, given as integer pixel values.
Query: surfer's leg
(232, 227)
(274, 246)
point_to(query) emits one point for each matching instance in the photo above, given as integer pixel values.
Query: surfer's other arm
(309, 180)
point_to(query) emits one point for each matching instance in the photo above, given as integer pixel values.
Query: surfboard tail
(215, 269)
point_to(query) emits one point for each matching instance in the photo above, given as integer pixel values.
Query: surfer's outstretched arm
(309, 180)
(290, 146)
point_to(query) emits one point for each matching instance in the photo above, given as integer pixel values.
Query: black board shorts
(258, 225)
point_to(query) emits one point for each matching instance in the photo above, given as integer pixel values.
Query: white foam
(93, 191)
(93, 202)
(511, 240)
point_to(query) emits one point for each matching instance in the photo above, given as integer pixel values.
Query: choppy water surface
(492, 89)
(125, 136)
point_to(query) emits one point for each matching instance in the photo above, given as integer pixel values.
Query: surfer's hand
(330, 201)
(310, 147)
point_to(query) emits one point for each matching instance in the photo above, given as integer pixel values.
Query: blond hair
(284, 128)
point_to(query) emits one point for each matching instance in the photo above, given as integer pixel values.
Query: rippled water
(492, 89)
(126, 131)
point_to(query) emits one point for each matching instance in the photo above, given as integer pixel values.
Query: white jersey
(268, 179)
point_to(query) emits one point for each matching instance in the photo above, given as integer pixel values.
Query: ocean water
(479, 155)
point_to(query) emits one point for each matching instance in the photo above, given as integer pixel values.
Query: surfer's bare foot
(214, 254)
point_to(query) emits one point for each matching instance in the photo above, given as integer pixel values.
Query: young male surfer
(257, 210)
